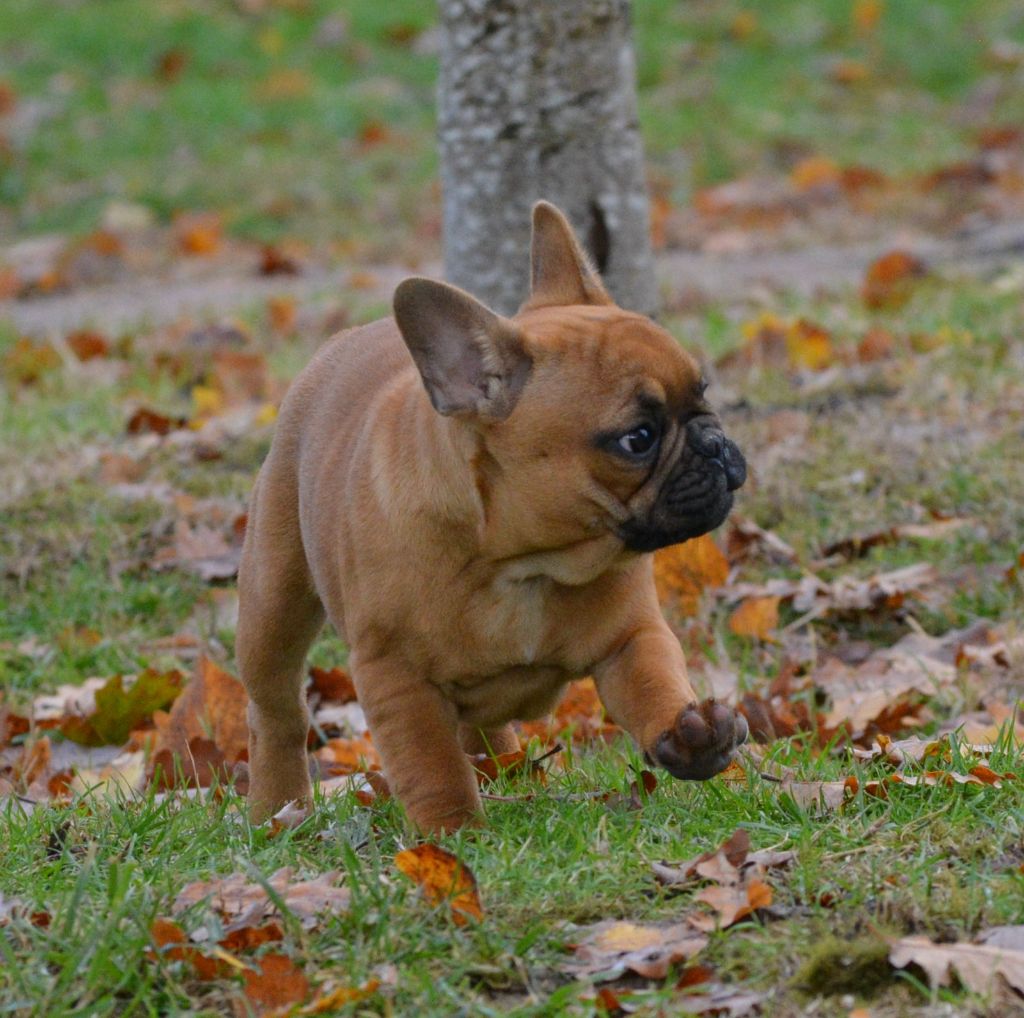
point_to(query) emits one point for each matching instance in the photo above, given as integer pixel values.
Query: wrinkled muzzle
(696, 495)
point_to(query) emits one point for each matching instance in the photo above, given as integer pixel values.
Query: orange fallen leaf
(889, 279)
(87, 344)
(815, 173)
(334, 1000)
(333, 684)
(684, 571)
(755, 617)
(732, 903)
(198, 233)
(580, 712)
(876, 345)
(443, 879)
(282, 312)
(867, 14)
(171, 942)
(347, 756)
(277, 983)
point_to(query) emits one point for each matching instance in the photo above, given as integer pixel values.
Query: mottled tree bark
(537, 99)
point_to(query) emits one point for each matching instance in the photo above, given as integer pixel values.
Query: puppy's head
(592, 420)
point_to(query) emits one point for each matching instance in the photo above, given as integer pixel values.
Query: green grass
(289, 161)
(935, 861)
(930, 860)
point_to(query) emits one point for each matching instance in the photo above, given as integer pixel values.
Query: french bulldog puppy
(472, 501)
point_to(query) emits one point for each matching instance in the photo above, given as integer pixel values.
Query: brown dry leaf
(442, 879)
(87, 344)
(489, 768)
(755, 617)
(200, 550)
(169, 65)
(210, 713)
(859, 545)
(171, 942)
(277, 983)
(684, 571)
(877, 344)
(198, 233)
(148, 422)
(241, 902)
(889, 279)
(732, 903)
(814, 795)
(333, 684)
(278, 260)
(981, 968)
(612, 948)
(33, 762)
(721, 1000)
(745, 539)
(729, 864)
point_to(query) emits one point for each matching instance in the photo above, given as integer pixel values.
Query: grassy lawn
(314, 120)
(295, 121)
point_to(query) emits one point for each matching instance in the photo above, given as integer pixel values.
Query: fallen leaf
(718, 999)
(333, 684)
(756, 617)
(809, 345)
(198, 233)
(170, 64)
(867, 14)
(240, 901)
(282, 312)
(210, 714)
(145, 421)
(732, 903)
(811, 795)
(200, 550)
(684, 571)
(121, 707)
(87, 344)
(614, 947)
(877, 344)
(277, 982)
(442, 879)
(889, 279)
(334, 1000)
(981, 968)
(815, 173)
(580, 714)
(171, 942)
(347, 756)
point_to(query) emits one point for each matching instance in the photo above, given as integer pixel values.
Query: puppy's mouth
(696, 495)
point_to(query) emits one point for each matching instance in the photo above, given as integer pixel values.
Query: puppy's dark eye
(639, 441)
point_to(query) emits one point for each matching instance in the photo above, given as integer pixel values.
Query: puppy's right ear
(472, 361)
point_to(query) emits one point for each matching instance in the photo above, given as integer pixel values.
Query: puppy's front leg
(415, 730)
(645, 689)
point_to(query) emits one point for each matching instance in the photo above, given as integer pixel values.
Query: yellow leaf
(683, 571)
(867, 14)
(442, 878)
(809, 345)
(756, 617)
(207, 401)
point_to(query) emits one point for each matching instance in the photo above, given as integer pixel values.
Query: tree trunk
(537, 99)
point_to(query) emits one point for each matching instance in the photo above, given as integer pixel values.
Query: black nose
(706, 439)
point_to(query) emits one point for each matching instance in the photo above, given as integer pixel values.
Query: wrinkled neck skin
(501, 529)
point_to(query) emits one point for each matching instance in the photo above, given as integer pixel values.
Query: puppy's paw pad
(702, 741)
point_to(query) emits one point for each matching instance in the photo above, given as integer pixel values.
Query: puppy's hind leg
(279, 616)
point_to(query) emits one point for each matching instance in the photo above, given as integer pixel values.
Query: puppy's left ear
(472, 361)
(560, 272)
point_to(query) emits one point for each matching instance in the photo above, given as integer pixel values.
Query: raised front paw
(702, 741)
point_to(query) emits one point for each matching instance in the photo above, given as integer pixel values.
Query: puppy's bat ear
(560, 271)
(473, 362)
